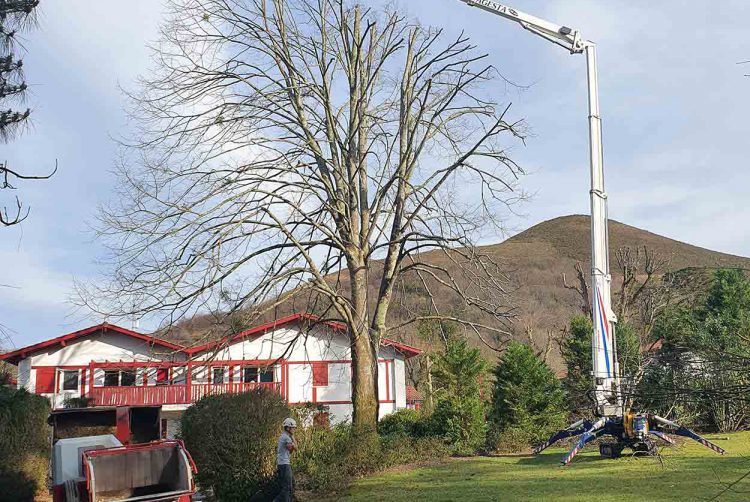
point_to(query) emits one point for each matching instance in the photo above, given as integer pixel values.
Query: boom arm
(561, 35)
(606, 372)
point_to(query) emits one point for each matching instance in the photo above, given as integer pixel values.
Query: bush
(232, 438)
(527, 398)
(512, 440)
(77, 402)
(460, 422)
(329, 459)
(403, 422)
(24, 444)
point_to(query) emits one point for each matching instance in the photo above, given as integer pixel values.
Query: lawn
(685, 473)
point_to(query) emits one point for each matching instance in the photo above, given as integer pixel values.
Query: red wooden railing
(168, 394)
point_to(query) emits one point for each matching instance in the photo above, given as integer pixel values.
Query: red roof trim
(407, 350)
(15, 356)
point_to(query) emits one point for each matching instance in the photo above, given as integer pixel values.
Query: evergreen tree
(16, 16)
(702, 371)
(527, 396)
(458, 376)
(575, 348)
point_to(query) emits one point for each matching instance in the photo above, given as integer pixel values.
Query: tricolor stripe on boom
(604, 326)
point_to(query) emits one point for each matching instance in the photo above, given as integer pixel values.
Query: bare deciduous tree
(297, 148)
(582, 288)
(641, 270)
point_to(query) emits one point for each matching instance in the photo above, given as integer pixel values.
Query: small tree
(575, 347)
(459, 412)
(527, 395)
(232, 439)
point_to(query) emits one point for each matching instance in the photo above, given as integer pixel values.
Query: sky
(675, 106)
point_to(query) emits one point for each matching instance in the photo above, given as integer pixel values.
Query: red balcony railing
(168, 394)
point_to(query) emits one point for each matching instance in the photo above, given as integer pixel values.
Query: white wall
(25, 376)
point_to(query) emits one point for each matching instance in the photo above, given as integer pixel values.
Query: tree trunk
(364, 355)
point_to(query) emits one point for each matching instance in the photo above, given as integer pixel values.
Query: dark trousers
(286, 483)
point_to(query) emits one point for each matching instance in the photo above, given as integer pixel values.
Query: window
(111, 378)
(249, 375)
(70, 380)
(266, 375)
(218, 376)
(127, 378)
(320, 374)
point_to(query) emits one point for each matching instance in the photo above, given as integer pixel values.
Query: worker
(287, 444)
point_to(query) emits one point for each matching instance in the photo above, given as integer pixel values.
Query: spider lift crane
(629, 429)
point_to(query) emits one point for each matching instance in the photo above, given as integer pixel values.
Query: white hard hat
(290, 422)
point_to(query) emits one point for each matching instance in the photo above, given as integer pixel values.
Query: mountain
(534, 262)
(538, 257)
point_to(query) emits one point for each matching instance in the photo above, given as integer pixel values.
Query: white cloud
(31, 283)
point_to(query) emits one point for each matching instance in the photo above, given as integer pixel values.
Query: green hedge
(329, 459)
(24, 444)
(232, 438)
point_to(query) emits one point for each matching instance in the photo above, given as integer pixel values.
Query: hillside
(534, 261)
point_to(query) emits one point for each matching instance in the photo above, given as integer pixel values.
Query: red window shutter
(320, 374)
(162, 376)
(45, 380)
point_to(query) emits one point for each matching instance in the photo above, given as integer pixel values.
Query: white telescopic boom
(606, 372)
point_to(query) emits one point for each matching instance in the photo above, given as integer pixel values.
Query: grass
(686, 473)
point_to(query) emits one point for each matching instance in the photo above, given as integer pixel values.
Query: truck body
(112, 467)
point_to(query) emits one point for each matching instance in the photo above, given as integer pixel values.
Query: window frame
(64, 374)
(123, 373)
(111, 373)
(250, 370)
(214, 371)
(266, 371)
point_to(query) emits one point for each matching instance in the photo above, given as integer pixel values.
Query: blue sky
(674, 101)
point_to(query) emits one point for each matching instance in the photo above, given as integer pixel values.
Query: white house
(302, 358)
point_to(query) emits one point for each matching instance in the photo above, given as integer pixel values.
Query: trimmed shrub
(24, 444)
(512, 440)
(329, 459)
(527, 400)
(460, 422)
(403, 422)
(232, 438)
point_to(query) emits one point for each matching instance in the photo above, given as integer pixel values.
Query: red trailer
(160, 471)
(97, 458)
